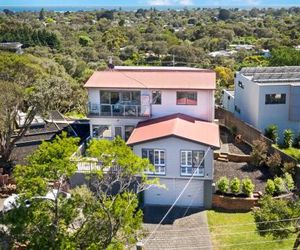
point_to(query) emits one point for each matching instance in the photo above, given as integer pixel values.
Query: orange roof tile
(179, 125)
(153, 78)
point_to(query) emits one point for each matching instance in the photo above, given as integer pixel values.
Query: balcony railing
(128, 110)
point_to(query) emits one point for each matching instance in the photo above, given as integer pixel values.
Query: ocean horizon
(65, 8)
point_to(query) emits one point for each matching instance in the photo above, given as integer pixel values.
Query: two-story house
(268, 95)
(165, 114)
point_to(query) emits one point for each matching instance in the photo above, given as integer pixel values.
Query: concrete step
(222, 159)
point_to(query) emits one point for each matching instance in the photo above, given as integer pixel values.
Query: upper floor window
(157, 158)
(186, 98)
(275, 99)
(156, 97)
(192, 161)
(237, 109)
(128, 131)
(120, 97)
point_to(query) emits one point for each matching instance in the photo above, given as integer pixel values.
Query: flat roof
(153, 78)
(271, 75)
(178, 125)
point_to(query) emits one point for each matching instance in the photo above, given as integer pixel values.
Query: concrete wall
(172, 147)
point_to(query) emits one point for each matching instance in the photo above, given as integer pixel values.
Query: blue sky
(256, 3)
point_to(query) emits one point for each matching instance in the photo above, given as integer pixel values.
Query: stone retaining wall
(238, 204)
(233, 203)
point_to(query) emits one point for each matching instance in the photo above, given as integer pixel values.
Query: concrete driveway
(189, 232)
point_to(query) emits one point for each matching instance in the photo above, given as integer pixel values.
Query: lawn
(225, 232)
(294, 152)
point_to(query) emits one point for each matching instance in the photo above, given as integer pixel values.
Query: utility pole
(173, 60)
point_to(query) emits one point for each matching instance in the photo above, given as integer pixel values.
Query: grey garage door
(192, 196)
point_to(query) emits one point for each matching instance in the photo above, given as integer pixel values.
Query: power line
(185, 187)
(230, 225)
(236, 244)
(223, 234)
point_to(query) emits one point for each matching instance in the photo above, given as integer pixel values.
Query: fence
(248, 132)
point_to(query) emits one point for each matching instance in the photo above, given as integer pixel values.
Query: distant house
(165, 114)
(12, 46)
(268, 95)
(242, 46)
(222, 53)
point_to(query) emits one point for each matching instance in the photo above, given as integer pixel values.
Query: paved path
(190, 232)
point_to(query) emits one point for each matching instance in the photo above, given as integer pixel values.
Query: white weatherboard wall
(172, 147)
(228, 100)
(203, 110)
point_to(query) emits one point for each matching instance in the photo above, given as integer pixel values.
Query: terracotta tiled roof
(178, 125)
(153, 78)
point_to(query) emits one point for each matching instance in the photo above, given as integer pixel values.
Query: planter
(234, 204)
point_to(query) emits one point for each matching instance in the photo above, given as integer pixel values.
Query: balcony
(124, 109)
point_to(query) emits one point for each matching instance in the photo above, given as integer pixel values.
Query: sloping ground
(259, 176)
(190, 232)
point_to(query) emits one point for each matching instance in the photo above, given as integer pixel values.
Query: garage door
(192, 196)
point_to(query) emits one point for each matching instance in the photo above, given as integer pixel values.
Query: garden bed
(241, 148)
(259, 176)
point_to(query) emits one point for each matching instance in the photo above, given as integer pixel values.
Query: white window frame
(158, 163)
(186, 165)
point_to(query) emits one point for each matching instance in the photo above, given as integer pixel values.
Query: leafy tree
(85, 41)
(224, 14)
(107, 218)
(42, 14)
(285, 56)
(33, 86)
(278, 218)
(225, 76)
(279, 185)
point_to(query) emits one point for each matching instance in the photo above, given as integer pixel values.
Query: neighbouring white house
(268, 95)
(165, 114)
(228, 100)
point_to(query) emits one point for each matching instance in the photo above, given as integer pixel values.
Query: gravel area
(258, 176)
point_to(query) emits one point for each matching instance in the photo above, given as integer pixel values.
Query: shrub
(270, 187)
(279, 185)
(288, 138)
(235, 185)
(272, 133)
(289, 182)
(259, 152)
(274, 163)
(223, 185)
(247, 187)
(289, 167)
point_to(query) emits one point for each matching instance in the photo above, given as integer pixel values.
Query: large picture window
(190, 161)
(102, 131)
(275, 99)
(120, 97)
(157, 158)
(186, 98)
